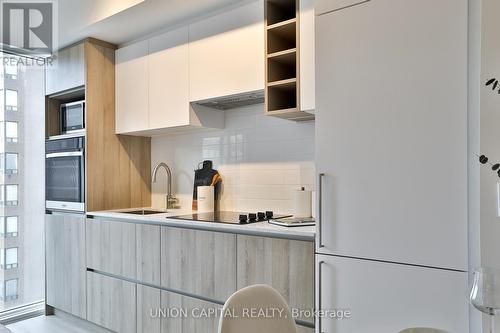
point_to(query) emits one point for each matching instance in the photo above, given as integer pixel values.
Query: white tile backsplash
(261, 159)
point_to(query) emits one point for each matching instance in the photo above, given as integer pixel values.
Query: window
(10, 100)
(22, 105)
(8, 226)
(11, 71)
(8, 163)
(8, 195)
(11, 289)
(8, 258)
(11, 134)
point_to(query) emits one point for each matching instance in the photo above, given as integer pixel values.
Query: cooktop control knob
(243, 219)
(252, 217)
(261, 216)
(269, 215)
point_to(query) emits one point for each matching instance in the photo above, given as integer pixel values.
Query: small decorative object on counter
(206, 176)
(205, 199)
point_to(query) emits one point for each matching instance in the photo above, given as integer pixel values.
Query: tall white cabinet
(391, 118)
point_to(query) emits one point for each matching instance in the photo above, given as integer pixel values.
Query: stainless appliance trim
(320, 211)
(62, 116)
(63, 205)
(69, 135)
(64, 154)
(73, 103)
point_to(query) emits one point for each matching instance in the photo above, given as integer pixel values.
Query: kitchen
(323, 151)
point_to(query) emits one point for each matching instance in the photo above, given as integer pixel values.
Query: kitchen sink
(144, 212)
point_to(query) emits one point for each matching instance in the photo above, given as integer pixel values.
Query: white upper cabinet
(152, 88)
(168, 79)
(131, 86)
(226, 53)
(391, 121)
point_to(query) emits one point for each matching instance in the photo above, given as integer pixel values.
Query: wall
(261, 160)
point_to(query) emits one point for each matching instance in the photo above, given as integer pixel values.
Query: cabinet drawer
(286, 265)
(111, 247)
(198, 262)
(193, 322)
(111, 303)
(148, 302)
(124, 249)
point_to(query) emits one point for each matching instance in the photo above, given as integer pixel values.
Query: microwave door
(72, 117)
(65, 181)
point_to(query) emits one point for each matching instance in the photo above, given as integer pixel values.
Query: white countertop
(265, 229)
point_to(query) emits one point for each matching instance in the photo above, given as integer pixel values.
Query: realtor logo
(28, 26)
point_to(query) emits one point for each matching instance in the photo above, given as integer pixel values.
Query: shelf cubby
(282, 95)
(282, 37)
(282, 66)
(280, 10)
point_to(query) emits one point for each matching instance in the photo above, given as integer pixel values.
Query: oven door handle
(65, 154)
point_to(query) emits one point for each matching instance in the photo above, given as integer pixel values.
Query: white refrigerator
(391, 156)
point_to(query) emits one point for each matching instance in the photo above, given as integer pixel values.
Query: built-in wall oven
(65, 174)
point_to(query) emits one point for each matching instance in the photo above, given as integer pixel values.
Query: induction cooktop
(230, 217)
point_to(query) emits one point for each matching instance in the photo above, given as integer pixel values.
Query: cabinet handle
(320, 209)
(320, 273)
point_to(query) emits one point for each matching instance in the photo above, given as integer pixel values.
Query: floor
(54, 324)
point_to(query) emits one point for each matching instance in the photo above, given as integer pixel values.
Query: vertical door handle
(320, 300)
(320, 210)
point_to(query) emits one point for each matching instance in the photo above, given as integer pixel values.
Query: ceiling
(122, 21)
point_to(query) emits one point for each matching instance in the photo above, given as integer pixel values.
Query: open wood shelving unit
(282, 60)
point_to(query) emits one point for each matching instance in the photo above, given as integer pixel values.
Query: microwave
(72, 117)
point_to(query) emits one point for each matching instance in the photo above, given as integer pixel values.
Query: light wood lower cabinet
(111, 303)
(198, 262)
(286, 265)
(148, 253)
(160, 311)
(200, 316)
(111, 247)
(124, 249)
(65, 263)
(148, 306)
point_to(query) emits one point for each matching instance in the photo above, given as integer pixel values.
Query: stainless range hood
(233, 101)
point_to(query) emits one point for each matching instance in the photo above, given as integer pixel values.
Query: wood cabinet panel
(286, 265)
(192, 322)
(67, 70)
(65, 263)
(198, 262)
(111, 247)
(148, 253)
(118, 172)
(148, 303)
(111, 303)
